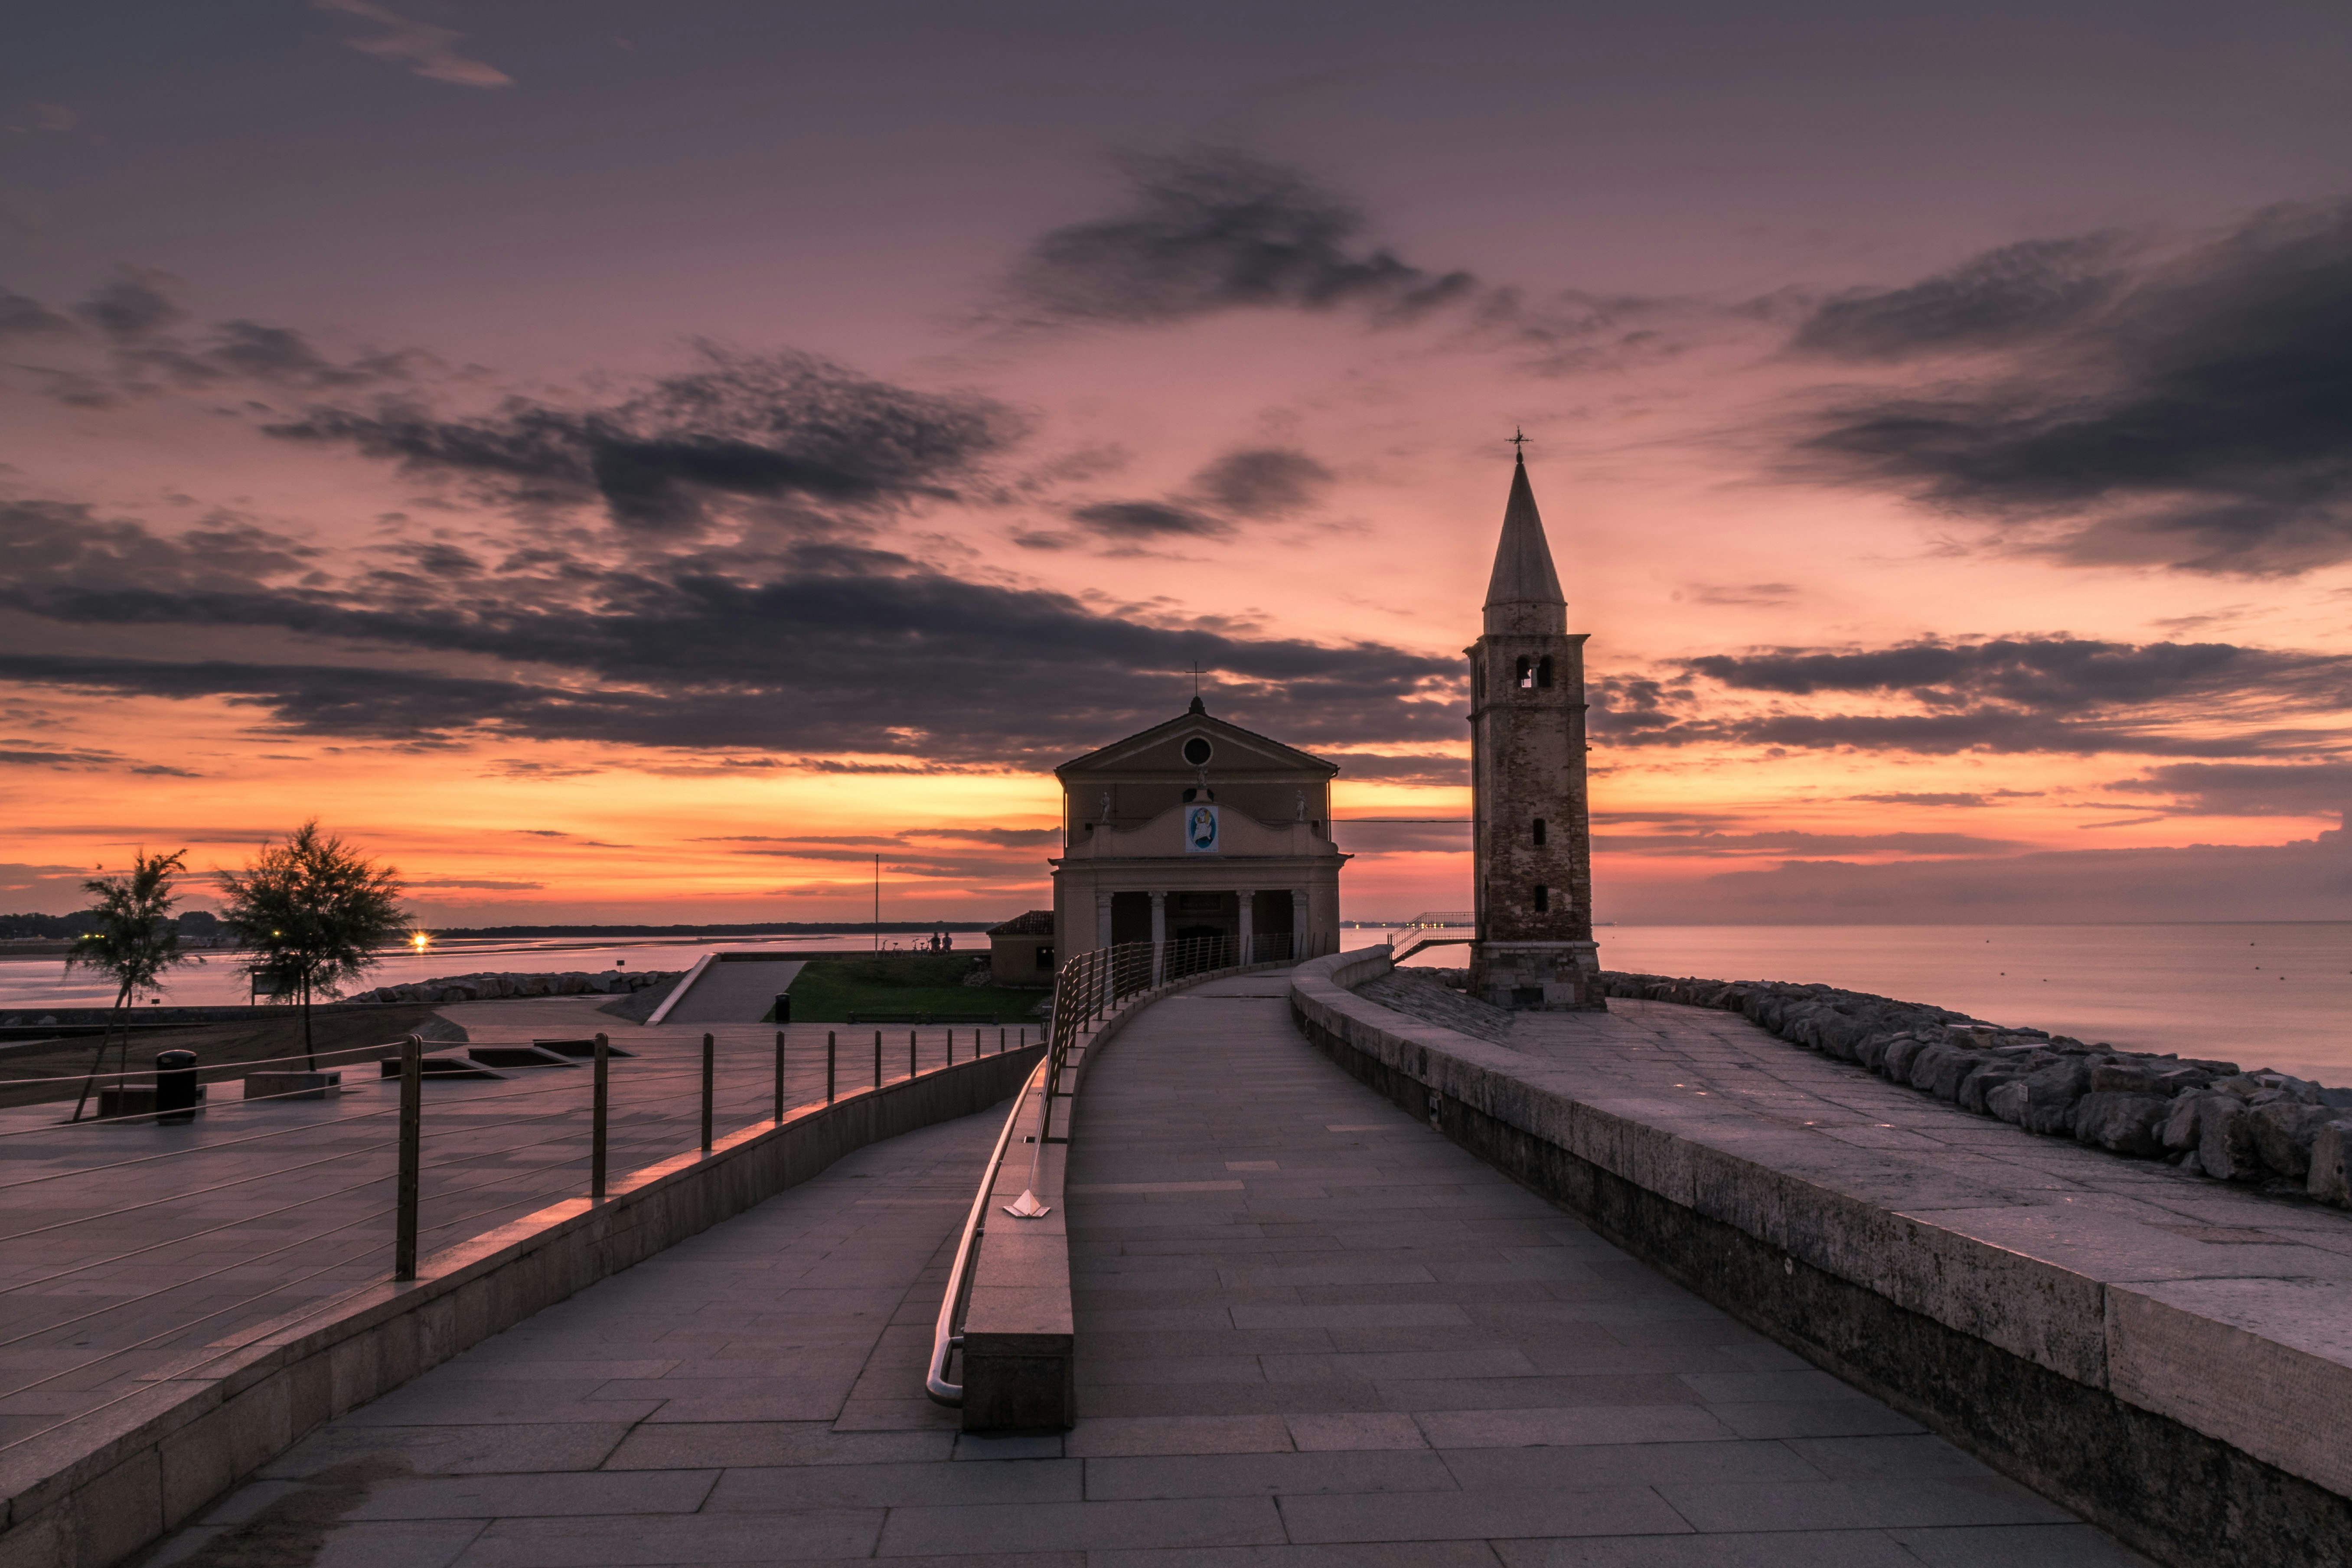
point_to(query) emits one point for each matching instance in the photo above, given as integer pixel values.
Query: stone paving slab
(1559, 1405)
(109, 1275)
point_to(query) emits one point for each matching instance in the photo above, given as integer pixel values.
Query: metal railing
(73, 1334)
(1087, 990)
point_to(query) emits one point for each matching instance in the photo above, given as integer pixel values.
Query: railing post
(779, 1117)
(911, 1053)
(596, 1116)
(828, 1067)
(878, 1058)
(709, 1072)
(412, 1142)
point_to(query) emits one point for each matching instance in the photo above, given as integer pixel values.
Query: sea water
(215, 977)
(2276, 995)
(2263, 995)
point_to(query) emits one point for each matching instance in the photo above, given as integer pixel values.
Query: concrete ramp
(733, 988)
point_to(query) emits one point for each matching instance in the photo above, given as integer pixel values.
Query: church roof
(1137, 750)
(1524, 594)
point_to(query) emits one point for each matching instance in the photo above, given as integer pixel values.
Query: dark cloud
(1214, 229)
(2016, 293)
(1962, 798)
(1910, 846)
(811, 651)
(2013, 694)
(1148, 519)
(133, 306)
(281, 356)
(24, 317)
(2310, 880)
(1426, 768)
(2198, 420)
(1005, 838)
(17, 876)
(133, 314)
(1262, 482)
(745, 425)
(25, 755)
(472, 882)
(2247, 789)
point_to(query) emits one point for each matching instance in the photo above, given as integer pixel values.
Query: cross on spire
(1518, 443)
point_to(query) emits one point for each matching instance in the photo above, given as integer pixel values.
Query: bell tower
(1534, 837)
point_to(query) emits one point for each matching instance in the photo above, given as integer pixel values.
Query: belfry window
(1543, 900)
(1525, 675)
(1539, 832)
(1543, 672)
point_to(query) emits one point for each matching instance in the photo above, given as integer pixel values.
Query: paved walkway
(742, 992)
(1312, 1331)
(115, 1263)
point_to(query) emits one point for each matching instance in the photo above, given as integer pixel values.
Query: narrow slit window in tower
(1526, 676)
(1543, 672)
(1539, 832)
(1543, 900)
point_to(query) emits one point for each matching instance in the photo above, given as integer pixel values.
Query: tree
(131, 940)
(313, 910)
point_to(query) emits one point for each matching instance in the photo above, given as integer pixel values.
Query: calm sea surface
(2263, 995)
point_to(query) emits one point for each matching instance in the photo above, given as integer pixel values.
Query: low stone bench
(292, 1085)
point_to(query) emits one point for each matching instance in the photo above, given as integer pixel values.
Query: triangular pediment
(1161, 750)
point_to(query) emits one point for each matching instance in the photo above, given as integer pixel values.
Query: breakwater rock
(2285, 1134)
(490, 987)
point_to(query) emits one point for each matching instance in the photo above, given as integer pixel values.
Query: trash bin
(175, 1086)
(783, 1009)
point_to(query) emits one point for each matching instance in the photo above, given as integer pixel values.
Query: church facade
(1531, 819)
(1194, 829)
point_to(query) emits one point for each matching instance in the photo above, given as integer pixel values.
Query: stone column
(1297, 922)
(1159, 938)
(1102, 919)
(1248, 896)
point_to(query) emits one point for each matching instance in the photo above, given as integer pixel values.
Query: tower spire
(1523, 596)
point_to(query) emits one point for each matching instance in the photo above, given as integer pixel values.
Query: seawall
(2167, 1357)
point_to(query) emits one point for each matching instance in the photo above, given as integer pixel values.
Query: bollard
(176, 1087)
(783, 1008)
(596, 1118)
(911, 1053)
(1000, 1042)
(710, 1070)
(779, 1117)
(411, 1130)
(878, 1058)
(828, 1067)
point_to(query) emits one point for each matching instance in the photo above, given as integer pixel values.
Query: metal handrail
(944, 1338)
(1086, 989)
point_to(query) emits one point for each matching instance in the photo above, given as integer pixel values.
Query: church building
(1197, 828)
(1533, 847)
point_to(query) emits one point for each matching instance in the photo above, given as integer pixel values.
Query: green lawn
(827, 990)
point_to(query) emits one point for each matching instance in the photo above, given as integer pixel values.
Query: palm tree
(133, 943)
(313, 910)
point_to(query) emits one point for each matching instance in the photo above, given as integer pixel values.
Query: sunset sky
(637, 462)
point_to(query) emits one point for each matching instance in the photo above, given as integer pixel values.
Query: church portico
(1197, 829)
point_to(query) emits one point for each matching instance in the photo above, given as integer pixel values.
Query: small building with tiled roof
(1021, 951)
